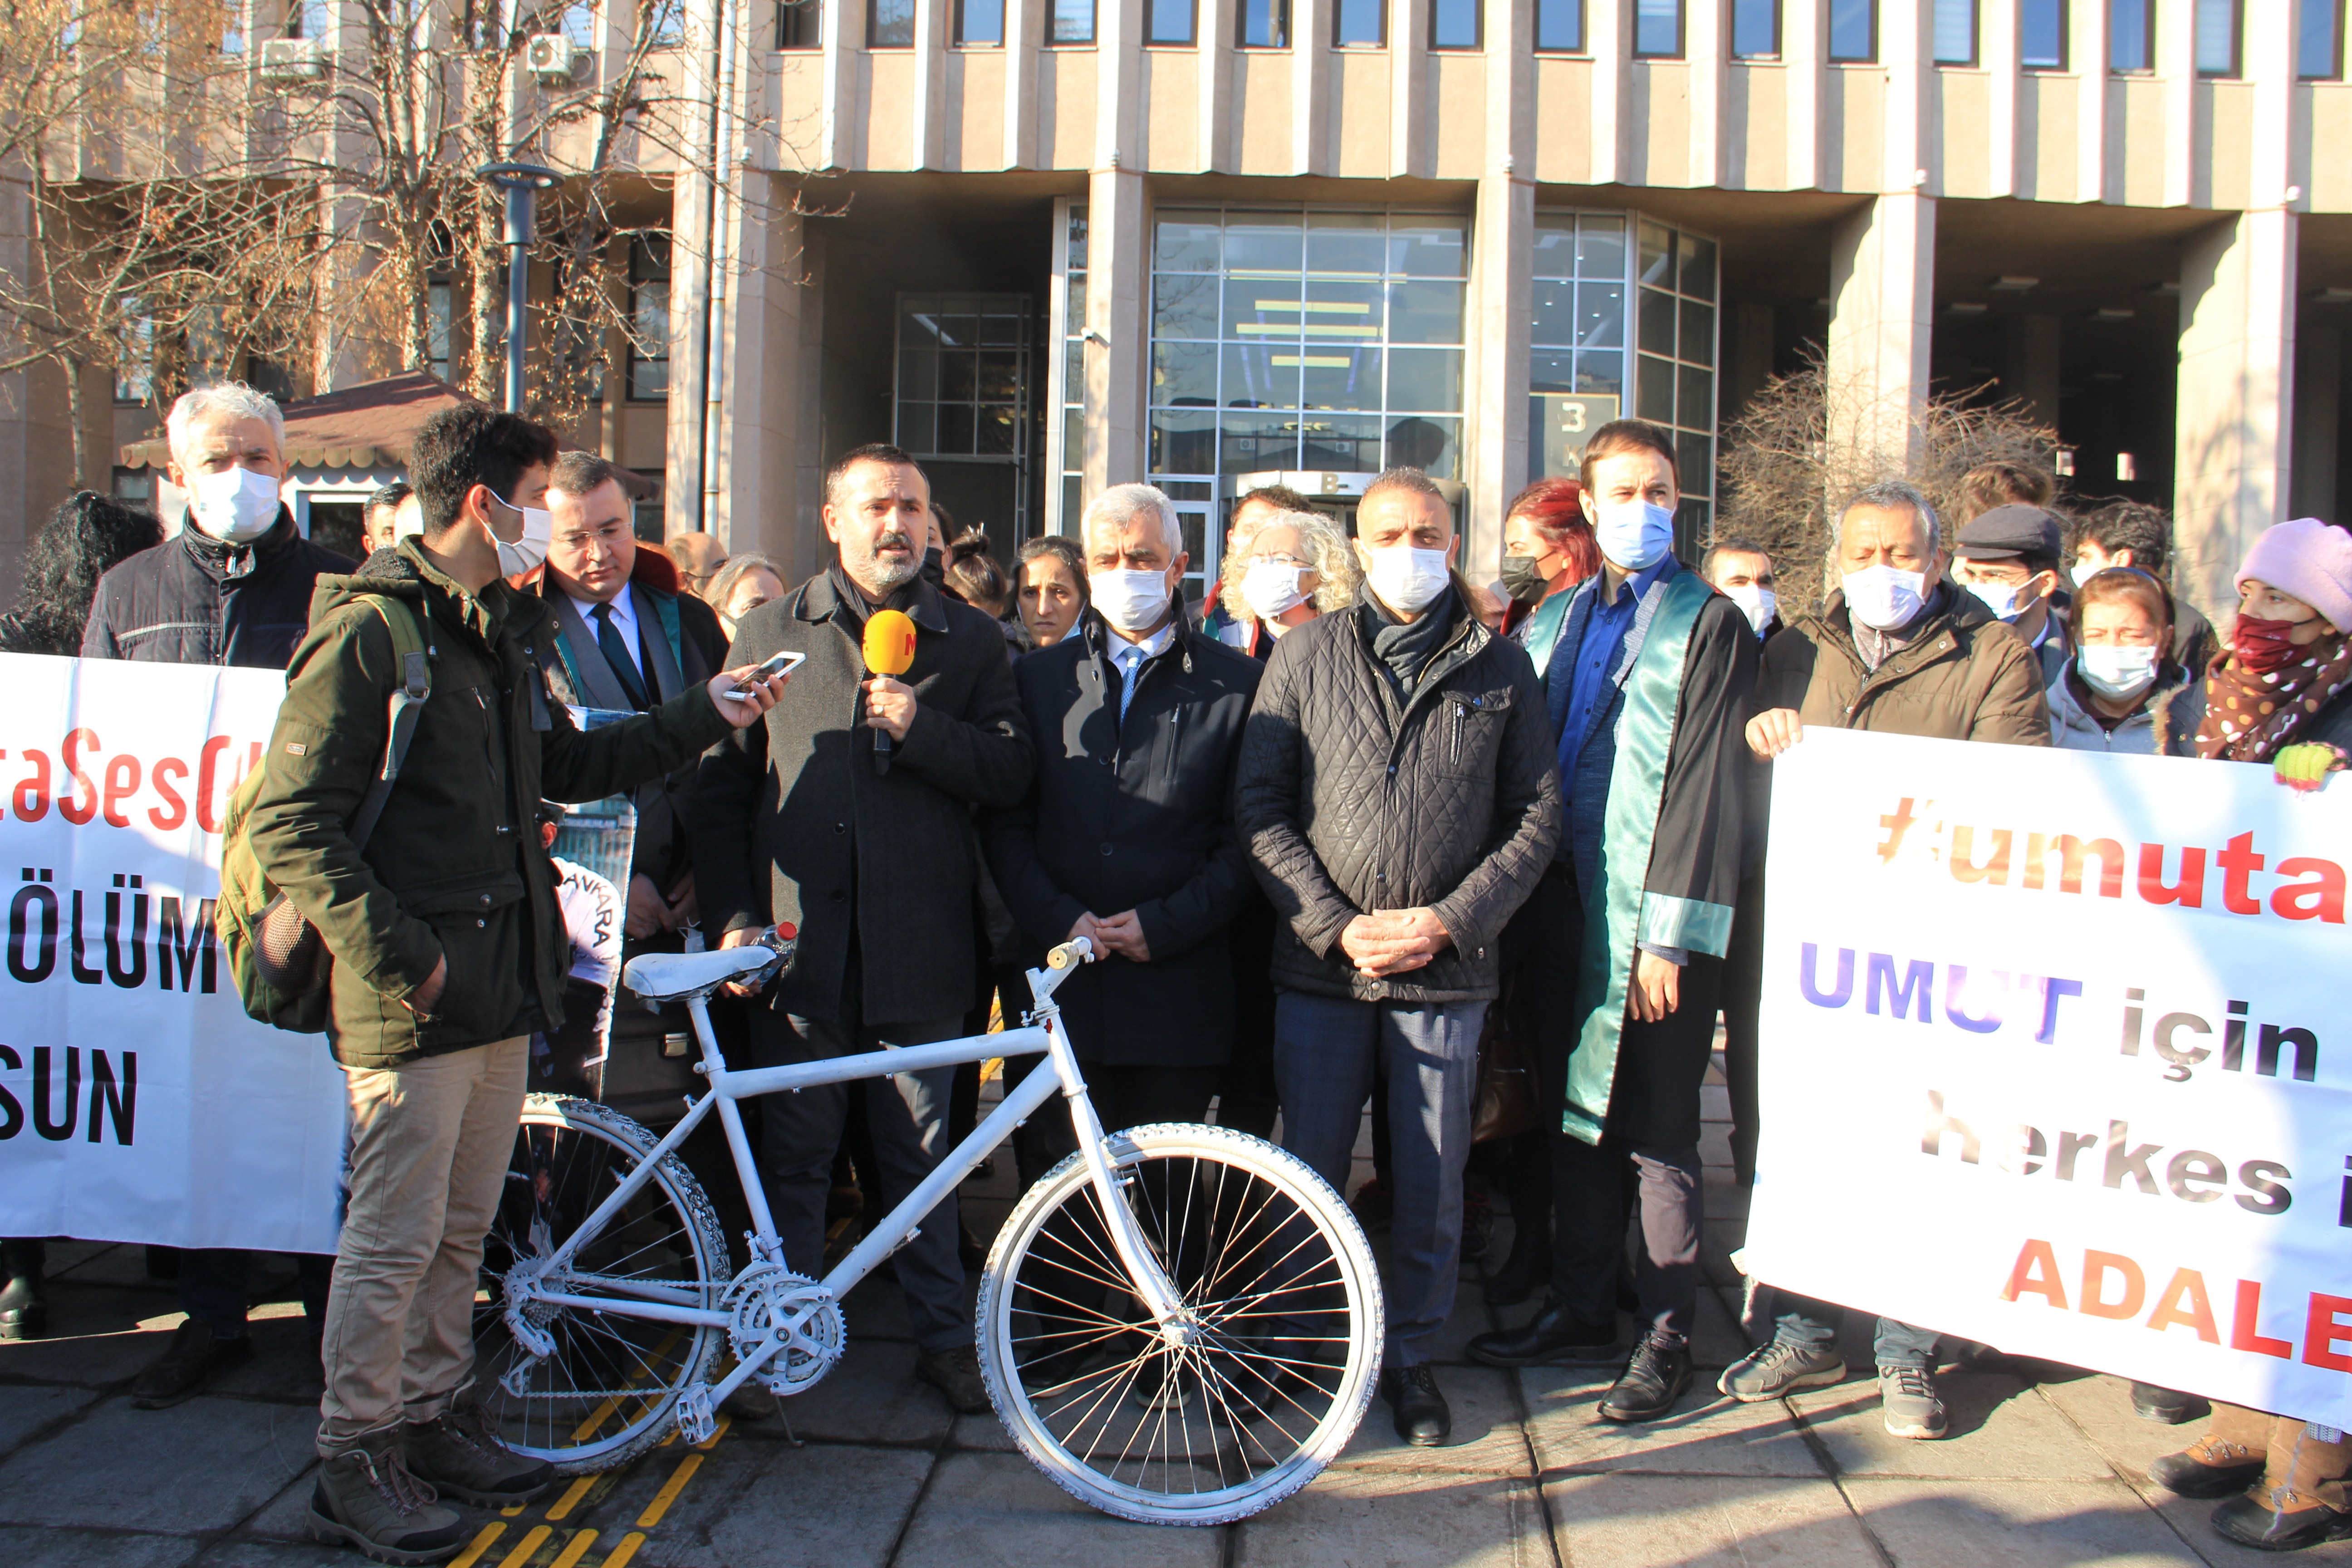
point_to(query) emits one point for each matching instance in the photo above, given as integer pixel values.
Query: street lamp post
(521, 183)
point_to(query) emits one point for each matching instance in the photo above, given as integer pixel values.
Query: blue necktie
(617, 654)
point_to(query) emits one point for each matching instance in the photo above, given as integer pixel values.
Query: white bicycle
(1179, 1324)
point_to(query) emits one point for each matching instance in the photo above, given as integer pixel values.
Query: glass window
(578, 24)
(1956, 32)
(1265, 25)
(661, 23)
(1853, 30)
(1453, 23)
(890, 24)
(134, 360)
(2319, 45)
(2131, 35)
(979, 21)
(1658, 28)
(309, 19)
(1359, 24)
(798, 23)
(2042, 34)
(1755, 30)
(648, 318)
(964, 374)
(1560, 26)
(1171, 22)
(2217, 38)
(1074, 22)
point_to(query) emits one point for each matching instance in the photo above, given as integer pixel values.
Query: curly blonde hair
(1334, 561)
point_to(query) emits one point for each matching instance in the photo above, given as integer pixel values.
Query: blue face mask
(1633, 534)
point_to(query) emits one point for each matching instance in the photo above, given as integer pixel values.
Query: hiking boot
(1906, 1394)
(1781, 1368)
(1553, 1337)
(1655, 1377)
(365, 1498)
(24, 1311)
(458, 1456)
(2280, 1521)
(955, 1374)
(196, 1355)
(2211, 1466)
(2169, 1406)
(1422, 1417)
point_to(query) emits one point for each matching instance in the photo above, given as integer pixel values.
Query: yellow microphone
(889, 650)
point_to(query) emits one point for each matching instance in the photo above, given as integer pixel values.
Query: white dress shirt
(1130, 657)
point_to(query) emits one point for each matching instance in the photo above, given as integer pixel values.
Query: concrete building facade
(1053, 245)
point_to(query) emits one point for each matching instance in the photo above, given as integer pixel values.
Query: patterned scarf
(2249, 717)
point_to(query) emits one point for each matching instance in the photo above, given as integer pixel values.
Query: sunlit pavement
(2044, 1465)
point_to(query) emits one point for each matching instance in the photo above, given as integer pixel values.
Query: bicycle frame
(730, 1087)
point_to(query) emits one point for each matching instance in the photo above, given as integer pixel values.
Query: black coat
(1350, 806)
(790, 822)
(1134, 815)
(193, 600)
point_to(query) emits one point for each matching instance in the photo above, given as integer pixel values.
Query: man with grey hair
(1127, 836)
(1899, 648)
(233, 589)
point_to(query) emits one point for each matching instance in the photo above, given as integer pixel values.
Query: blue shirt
(1595, 656)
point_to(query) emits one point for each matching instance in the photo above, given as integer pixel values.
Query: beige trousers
(430, 1143)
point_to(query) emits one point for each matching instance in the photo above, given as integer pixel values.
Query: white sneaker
(1907, 1397)
(1780, 1368)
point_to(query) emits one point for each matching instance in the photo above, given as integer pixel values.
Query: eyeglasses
(1282, 560)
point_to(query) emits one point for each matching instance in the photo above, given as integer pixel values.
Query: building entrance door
(962, 405)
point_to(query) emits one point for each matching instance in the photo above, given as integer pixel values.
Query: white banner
(137, 1101)
(2054, 1056)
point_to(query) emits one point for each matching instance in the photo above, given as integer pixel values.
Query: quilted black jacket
(193, 600)
(1349, 804)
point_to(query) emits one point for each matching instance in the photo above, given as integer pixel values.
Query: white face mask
(1131, 601)
(1271, 589)
(1633, 534)
(2116, 672)
(1884, 598)
(1406, 579)
(1757, 603)
(527, 552)
(2083, 571)
(236, 506)
(2001, 598)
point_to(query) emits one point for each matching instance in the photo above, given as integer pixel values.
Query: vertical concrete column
(1802, 48)
(1310, 84)
(2232, 446)
(2031, 374)
(1905, 35)
(841, 32)
(2086, 56)
(1609, 34)
(1747, 359)
(1997, 52)
(1882, 290)
(1409, 73)
(1502, 266)
(1708, 48)
(1214, 23)
(759, 433)
(2318, 422)
(926, 138)
(1023, 40)
(1118, 83)
(2175, 67)
(1119, 261)
(808, 548)
(690, 354)
(19, 437)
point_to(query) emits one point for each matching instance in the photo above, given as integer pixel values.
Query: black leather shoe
(1422, 1416)
(2250, 1522)
(1653, 1380)
(2169, 1406)
(187, 1366)
(1551, 1338)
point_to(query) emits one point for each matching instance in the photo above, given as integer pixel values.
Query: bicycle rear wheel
(1277, 1366)
(610, 1390)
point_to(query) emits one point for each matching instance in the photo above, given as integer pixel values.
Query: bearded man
(799, 820)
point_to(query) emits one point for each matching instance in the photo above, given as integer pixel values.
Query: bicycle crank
(785, 1326)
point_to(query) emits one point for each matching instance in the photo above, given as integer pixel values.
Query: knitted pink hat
(2310, 560)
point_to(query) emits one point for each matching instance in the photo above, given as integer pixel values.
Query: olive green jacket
(455, 868)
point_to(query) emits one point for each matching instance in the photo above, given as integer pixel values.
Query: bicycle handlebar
(1071, 953)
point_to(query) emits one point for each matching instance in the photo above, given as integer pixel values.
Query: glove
(2306, 766)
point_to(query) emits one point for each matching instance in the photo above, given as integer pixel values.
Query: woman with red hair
(1548, 547)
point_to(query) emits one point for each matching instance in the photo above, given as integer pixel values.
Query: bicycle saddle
(670, 976)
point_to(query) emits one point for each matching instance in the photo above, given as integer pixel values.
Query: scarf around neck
(2249, 717)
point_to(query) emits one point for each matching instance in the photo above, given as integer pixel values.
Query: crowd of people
(1339, 829)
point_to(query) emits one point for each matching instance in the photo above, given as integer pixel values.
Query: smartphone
(771, 668)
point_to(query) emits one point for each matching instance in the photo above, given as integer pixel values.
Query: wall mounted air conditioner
(290, 62)
(553, 59)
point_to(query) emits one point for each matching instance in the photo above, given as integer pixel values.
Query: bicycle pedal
(695, 1420)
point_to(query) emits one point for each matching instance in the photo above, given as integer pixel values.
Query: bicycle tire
(1227, 1390)
(568, 1154)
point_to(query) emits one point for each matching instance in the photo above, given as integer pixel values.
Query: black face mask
(1523, 581)
(934, 570)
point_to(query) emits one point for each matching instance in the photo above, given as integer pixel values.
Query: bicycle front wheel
(1267, 1378)
(610, 1390)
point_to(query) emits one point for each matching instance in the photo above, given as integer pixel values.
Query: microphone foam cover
(889, 642)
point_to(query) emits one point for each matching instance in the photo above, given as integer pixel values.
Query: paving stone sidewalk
(2044, 1465)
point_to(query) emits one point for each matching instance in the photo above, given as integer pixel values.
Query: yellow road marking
(624, 1551)
(512, 1510)
(574, 1549)
(481, 1543)
(526, 1546)
(668, 1494)
(571, 1499)
(716, 1433)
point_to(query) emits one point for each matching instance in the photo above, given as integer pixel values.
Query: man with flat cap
(2012, 558)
